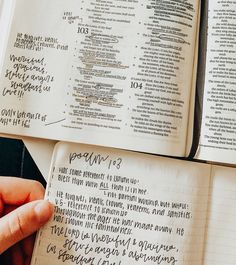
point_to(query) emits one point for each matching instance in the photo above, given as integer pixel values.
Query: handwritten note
(114, 208)
(26, 75)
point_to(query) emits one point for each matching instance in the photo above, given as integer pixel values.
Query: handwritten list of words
(108, 212)
(27, 75)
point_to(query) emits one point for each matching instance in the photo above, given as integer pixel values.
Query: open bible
(121, 74)
(119, 207)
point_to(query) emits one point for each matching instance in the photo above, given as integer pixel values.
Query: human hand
(22, 212)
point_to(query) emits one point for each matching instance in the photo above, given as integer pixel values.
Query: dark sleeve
(16, 161)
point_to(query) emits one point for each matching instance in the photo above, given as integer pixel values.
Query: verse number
(115, 163)
(136, 85)
(83, 30)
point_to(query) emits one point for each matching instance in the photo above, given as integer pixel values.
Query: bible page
(218, 132)
(92, 72)
(117, 208)
(221, 232)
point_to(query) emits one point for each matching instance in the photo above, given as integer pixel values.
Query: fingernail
(44, 211)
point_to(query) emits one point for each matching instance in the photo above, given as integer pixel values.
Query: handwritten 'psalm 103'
(96, 159)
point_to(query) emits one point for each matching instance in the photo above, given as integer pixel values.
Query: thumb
(22, 222)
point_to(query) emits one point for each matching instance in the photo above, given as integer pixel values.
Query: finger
(23, 222)
(9, 208)
(18, 191)
(17, 256)
(1, 207)
(27, 261)
(28, 245)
